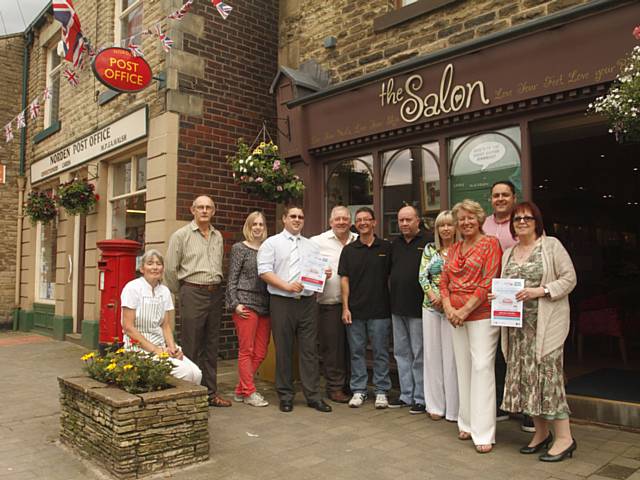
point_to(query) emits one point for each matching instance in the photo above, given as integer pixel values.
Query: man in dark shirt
(364, 268)
(406, 310)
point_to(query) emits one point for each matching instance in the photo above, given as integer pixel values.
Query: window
(350, 183)
(46, 251)
(404, 3)
(129, 16)
(127, 189)
(479, 160)
(53, 69)
(411, 176)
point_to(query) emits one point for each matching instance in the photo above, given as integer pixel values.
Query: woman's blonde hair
(444, 216)
(472, 207)
(246, 230)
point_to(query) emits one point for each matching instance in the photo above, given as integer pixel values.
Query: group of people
(434, 296)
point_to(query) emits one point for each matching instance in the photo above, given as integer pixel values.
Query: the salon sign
(416, 100)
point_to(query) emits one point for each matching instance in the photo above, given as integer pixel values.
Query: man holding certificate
(293, 307)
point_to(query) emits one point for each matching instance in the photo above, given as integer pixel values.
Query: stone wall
(11, 59)
(134, 435)
(305, 23)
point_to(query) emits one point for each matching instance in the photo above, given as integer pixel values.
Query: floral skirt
(536, 389)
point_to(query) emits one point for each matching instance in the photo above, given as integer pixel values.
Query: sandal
(216, 400)
(464, 436)
(435, 417)
(484, 448)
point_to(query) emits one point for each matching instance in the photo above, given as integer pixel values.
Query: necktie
(294, 261)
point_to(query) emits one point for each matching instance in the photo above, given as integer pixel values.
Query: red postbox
(116, 267)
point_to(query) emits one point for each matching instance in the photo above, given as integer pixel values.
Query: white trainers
(238, 398)
(256, 400)
(357, 400)
(381, 401)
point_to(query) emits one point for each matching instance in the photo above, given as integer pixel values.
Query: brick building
(11, 52)
(155, 150)
(429, 102)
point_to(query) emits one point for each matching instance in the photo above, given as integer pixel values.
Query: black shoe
(527, 424)
(417, 408)
(527, 450)
(397, 403)
(545, 457)
(286, 406)
(501, 415)
(319, 405)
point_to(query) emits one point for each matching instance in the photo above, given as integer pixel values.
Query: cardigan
(559, 276)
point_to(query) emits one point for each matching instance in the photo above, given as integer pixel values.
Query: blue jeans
(377, 330)
(407, 348)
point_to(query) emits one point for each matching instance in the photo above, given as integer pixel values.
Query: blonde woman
(440, 378)
(248, 299)
(466, 281)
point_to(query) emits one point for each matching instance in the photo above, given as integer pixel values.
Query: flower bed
(134, 435)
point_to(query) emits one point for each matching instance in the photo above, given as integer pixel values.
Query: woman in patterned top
(146, 304)
(534, 383)
(248, 299)
(441, 383)
(465, 283)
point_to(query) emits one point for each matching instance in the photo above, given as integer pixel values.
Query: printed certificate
(506, 311)
(312, 268)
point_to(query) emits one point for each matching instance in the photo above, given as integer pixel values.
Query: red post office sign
(120, 70)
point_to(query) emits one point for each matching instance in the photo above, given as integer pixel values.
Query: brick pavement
(251, 443)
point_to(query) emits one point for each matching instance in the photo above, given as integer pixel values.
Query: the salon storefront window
(479, 160)
(46, 252)
(350, 183)
(127, 191)
(410, 177)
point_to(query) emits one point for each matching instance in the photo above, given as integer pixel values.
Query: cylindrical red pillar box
(116, 267)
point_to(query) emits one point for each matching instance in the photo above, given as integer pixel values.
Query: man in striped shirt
(194, 273)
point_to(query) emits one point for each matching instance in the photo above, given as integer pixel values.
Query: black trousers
(334, 349)
(200, 314)
(293, 319)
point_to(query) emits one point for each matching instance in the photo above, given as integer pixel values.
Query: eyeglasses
(203, 207)
(525, 218)
(294, 217)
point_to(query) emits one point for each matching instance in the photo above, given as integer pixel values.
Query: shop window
(128, 183)
(129, 17)
(350, 183)
(410, 177)
(477, 161)
(404, 3)
(53, 69)
(46, 251)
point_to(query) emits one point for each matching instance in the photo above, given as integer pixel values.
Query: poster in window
(432, 195)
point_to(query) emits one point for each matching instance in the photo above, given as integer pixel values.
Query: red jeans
(253, 339)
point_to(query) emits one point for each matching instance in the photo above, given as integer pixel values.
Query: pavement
(250, 443)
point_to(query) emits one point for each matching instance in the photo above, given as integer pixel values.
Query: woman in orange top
(473, 263)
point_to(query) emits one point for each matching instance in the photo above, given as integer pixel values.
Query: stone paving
(262, 443)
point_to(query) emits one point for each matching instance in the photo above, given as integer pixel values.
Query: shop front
(445, 126)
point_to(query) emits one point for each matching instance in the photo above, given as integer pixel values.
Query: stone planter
(134, 435)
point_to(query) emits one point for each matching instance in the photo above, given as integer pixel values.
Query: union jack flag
(46, 94)
(20, 123)
(136, 50)
(72, 37)
(34, 109)
(71, 76)
(165, 40)
(182, 11)
(222, 8)
(8, 132)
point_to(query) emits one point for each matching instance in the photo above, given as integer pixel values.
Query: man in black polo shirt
(364, 268)
(406, 309)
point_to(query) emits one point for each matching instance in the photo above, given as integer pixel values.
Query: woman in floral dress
(534, 383)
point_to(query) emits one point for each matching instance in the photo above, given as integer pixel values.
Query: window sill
(410, 12)
(47, 132)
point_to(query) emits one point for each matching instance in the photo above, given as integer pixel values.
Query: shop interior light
(141, 212)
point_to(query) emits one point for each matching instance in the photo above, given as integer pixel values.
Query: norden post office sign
(114, 135)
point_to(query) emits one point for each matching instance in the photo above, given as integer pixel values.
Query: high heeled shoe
(568, 452)
(527, 450)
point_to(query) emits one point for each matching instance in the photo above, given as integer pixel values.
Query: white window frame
(38, 261)
(133, 159)
(120, 16)
(51, 52)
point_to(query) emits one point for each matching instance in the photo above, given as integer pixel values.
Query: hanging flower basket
(77, 197)
(260, 170)
(40, 207)
(621, 105)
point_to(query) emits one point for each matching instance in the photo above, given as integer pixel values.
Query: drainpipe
(22, 180)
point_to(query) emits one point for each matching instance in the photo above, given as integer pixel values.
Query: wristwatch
(547, 293)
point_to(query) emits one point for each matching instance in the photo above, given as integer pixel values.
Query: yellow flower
(111, 366)
(163, 355)
(120, 350)
(262, 144)
(257, 151)
(126, 367)
(275, 148)
(88, 356)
